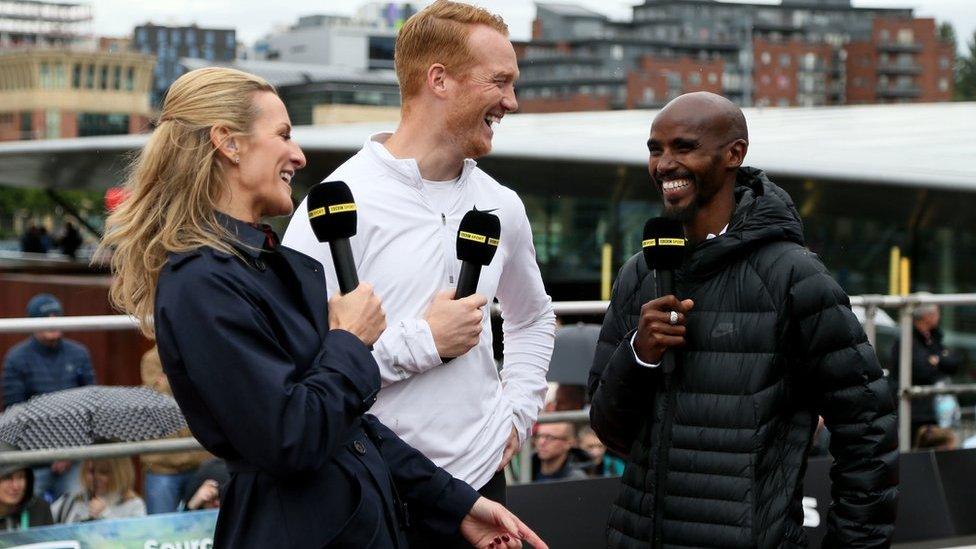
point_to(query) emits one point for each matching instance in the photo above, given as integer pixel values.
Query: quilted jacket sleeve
(855, 402)
(619, 388)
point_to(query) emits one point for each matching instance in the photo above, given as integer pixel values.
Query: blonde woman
(271, 377)
(107, 493)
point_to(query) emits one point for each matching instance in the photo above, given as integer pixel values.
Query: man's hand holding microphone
(661, 327)
(455, 324)
(662, 321)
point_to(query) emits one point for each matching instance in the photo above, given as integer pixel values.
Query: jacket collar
(39, 347)
(249, 240)
(405, 170)
(763, 213)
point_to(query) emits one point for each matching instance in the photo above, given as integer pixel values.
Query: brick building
(57, 93)
(798, 53)
(902, 62)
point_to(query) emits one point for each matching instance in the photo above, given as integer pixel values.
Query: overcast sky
(255, 18)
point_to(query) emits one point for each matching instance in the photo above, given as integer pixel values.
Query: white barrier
(871, 303)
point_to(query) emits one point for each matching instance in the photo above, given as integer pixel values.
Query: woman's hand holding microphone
(359, 312)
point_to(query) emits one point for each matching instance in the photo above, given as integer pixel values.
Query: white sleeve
(637, 358)
(529, 326)
(404, 348)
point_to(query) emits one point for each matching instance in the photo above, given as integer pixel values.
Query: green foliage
(947, 33)
(35, 203)
(966, 73)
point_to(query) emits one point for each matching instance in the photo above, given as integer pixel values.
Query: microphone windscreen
(664, 244)
(331, 211)
(477, 239)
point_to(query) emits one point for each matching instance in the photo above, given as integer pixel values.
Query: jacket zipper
(448, 265)
(660, 472)
(664, 443)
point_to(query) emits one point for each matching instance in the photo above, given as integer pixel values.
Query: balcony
(899, 68)
(899, 92)
(900, 46)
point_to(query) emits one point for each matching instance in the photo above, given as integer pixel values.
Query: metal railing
(906, 305)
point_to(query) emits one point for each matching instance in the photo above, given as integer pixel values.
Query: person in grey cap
(20, 509)
(44, 363)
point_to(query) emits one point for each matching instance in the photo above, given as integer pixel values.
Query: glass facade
(301, 100)
(102, 124)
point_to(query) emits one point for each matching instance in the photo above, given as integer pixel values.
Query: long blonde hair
(174, 184)
(121, 476)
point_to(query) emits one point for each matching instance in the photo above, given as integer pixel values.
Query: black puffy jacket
(717, 449)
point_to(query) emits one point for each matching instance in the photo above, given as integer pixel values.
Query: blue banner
(192, 530)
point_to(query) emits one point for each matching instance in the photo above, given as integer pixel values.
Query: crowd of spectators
(36, 239)
(69, 492)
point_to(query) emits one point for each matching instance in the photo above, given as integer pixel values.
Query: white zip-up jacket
(459, 414)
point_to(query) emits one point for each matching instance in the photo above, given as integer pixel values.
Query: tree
(947, 33)
(966, 73)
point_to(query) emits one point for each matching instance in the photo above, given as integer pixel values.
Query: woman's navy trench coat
(267, 386)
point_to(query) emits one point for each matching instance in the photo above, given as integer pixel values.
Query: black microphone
(477, 242)
(664, 250)
(332, 214)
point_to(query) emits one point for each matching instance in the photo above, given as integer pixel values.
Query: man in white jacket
(457, 71)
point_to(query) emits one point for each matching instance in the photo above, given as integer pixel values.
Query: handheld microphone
(477, 242)
(332, 214)
(664, 248)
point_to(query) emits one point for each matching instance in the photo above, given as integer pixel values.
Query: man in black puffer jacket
(765, 342)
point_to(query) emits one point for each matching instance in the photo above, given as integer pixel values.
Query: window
(26, 125)
(60, 82)
(130, 78)
(712, 78)
(45, 76)
(52, 124)
(76, 76)
(809, 61)
(117, 77)
(906, 36)
(943, 84)
(103, 78)
(765, 58)
(784, 60)
(648, 95)
(208, 38)
(174, 37)
(694, 79)
(102, 124)
(943, 63)
(90, 77)
(229, 41)
(884, 35)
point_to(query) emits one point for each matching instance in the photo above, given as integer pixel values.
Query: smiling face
(12, 488)
(484, 94)
(697, 143)
(685, 165)
(268, 159)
